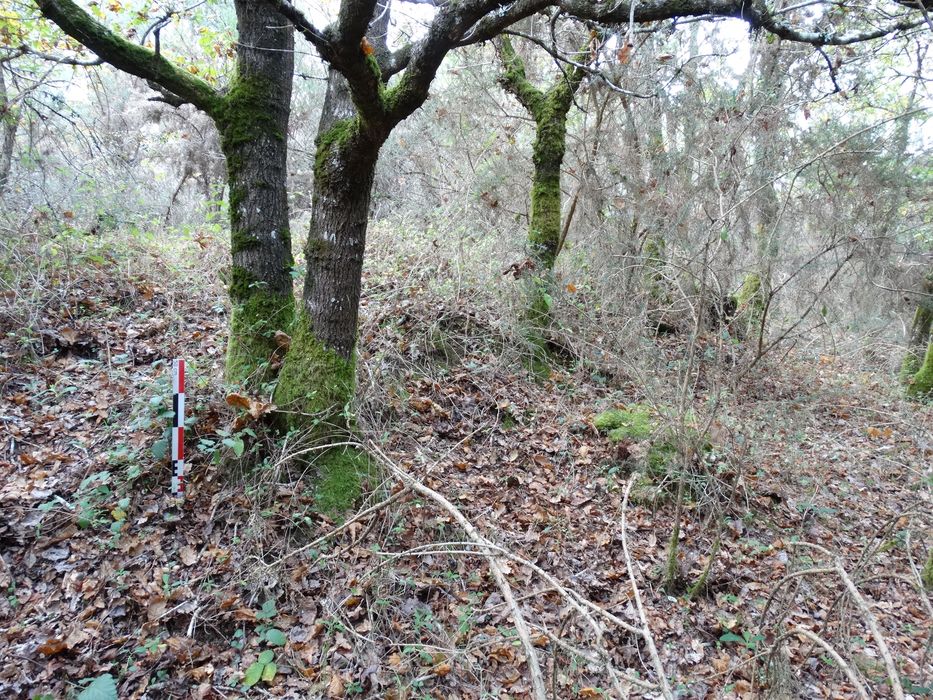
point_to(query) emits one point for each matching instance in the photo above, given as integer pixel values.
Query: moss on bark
(920, 332)
(927, 574)
(335, 138)
(315, 389)
(340, 475)
(255, 317)
(921, 384)
(750, 302)
(315, 381)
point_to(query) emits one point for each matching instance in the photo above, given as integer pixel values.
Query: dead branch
(867, 615)
(828, 648)
(521, 626)
(646, 628)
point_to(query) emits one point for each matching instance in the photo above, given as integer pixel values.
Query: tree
(549, 109)
(917, 365)
(252, 119)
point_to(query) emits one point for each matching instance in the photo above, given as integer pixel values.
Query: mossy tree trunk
(317, 382)
(254, 138)
(549, 109)
(9, 124)
(252, 118)
(920, 333)
(921, 384)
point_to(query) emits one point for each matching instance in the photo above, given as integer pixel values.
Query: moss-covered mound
(633, 423)
(637, 424)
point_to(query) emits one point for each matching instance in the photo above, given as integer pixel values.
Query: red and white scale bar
(178, 428)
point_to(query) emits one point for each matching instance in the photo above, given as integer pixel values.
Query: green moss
(255, 317)
(910, 365)
(919, 335)
(248, 113)
(340, 473)
(544, 230)
(921, 385)
(633, 423)
(315, 388)
(337, 137)
(240, 240)
(315, 384)
(662, 458)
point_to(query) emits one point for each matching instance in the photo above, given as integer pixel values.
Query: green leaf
(160, 449)
(252, 676)
(268, 673)
(236, 444)
(266, 656)
(276, 637)
(101, 688)
(268, 611)
(732, 637)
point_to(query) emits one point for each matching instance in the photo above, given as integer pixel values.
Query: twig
(521, 627)
(646, 629)
(336, 531)
(870, 620)
(827, 647)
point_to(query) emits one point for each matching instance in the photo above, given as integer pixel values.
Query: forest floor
(102, 573)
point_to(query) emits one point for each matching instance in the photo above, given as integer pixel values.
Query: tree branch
(129, 57)
(513, 79)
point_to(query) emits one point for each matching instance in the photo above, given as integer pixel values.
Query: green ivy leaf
(235, 443)
(160, 449)
(266, 657)
(275, 637)
(252, 676)
(101, 688)
(268, 673)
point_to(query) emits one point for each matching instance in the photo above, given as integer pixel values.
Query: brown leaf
(238, 401)
(282, 340)
(335, 687)
(156, 608)
(442, 669)
(52, 646)
(187, 555)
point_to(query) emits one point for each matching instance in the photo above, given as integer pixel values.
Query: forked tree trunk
(254, 138)
(549, 109)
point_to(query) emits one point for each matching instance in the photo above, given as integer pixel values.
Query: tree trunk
(549, 110)
(254, 138)
(9, 123)
(921, 335)
(317, 382)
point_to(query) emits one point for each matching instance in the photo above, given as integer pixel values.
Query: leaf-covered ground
(102, 574)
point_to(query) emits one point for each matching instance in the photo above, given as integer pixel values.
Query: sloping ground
(103, 575)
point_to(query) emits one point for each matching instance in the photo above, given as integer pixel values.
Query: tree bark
(317, 382)
(921, 335)
(9, 123)
(254, 138)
